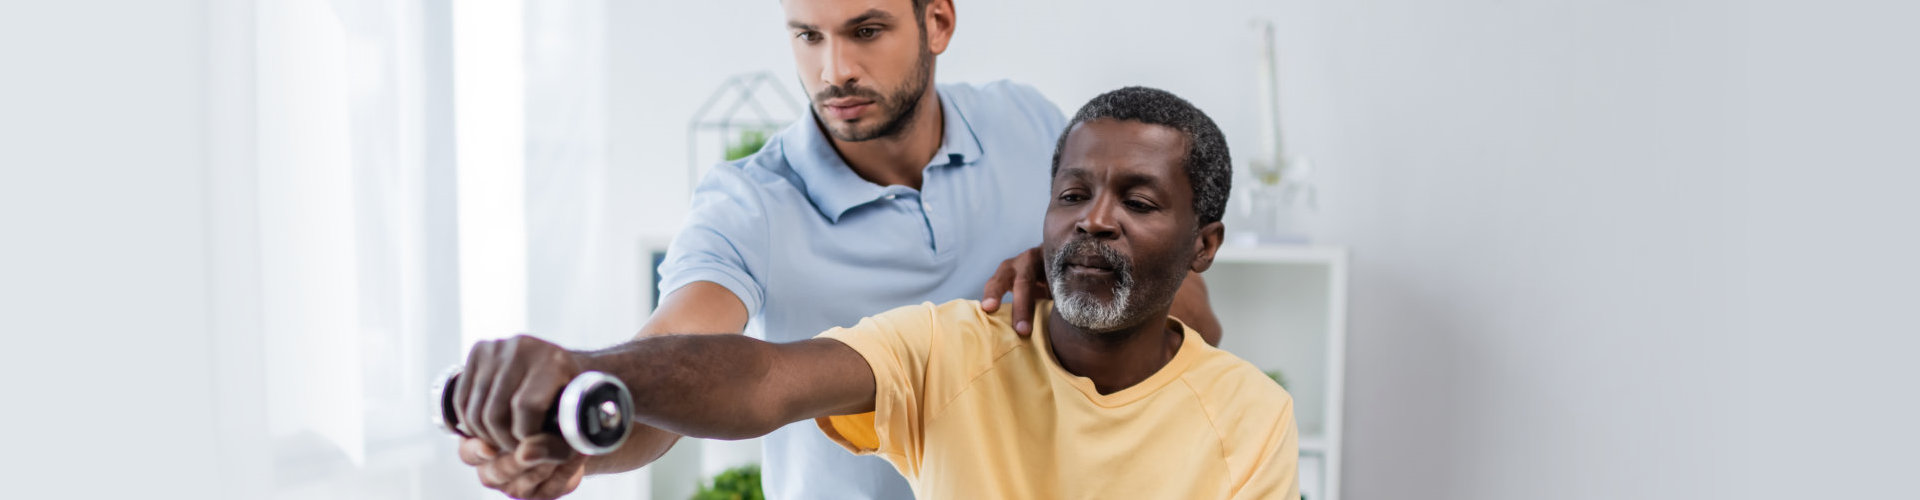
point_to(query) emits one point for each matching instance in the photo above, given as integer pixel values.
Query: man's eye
(1072, 197)
(1139, 206)
(867, 32)
(808, 36)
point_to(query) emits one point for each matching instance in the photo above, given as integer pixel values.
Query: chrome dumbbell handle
(592, 414)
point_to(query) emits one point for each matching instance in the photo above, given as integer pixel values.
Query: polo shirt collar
(834, 188)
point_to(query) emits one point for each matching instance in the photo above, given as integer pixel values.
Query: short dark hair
(1208, 164)
(920, 14)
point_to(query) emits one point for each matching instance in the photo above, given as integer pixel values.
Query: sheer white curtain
(387, 193)
(358, 297)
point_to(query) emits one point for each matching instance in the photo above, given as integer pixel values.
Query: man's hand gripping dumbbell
(532, 399)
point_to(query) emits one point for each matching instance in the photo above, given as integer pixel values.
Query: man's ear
(940, 19)
(1206, 242)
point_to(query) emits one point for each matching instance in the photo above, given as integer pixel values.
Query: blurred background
(1548, 249)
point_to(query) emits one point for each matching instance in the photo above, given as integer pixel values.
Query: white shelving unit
(1282, 307)
(1285, 307)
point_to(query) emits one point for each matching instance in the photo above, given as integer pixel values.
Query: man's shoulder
(953, 317)
(1000, 100)
(954, 336)
(1228, 385)
(973, 335)
(753, 179)
(736, 204)
(994, 91)
(963, 319)
(967, 313)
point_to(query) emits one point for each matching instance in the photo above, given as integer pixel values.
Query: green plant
(749, 143)
(1278, 378)
(738, 483)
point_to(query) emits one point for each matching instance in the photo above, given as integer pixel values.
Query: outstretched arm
(701, 307)
(511, 455)
(737, 387)
(710, 386)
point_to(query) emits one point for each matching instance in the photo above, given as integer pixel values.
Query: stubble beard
(905, 104)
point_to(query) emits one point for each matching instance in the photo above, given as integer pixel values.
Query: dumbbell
(592, 414)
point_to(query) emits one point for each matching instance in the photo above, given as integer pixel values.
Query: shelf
(1313, 445)
(1281, 254)
(1284, 306)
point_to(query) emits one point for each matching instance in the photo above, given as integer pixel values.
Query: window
(390, 191)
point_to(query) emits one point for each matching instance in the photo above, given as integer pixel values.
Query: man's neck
(1114, 360)
(899, 160)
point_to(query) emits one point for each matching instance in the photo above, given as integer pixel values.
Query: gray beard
(1081, 308)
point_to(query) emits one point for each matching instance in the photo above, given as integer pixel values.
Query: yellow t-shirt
(966, 409)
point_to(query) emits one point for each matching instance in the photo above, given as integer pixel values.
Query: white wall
(1621, 249)
(104, 269)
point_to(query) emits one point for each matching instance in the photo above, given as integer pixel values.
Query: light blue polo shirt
(808, 245)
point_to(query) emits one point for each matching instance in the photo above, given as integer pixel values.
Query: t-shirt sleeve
(897, 346)
(1276, 470)
(724, 240)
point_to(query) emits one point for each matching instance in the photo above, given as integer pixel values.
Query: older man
(1109, 398)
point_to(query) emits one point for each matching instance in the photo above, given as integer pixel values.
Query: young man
(897, 191)
(1109, 398)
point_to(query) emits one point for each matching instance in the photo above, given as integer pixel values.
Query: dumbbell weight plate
(595, 411)
(444, 415)
(592, 414)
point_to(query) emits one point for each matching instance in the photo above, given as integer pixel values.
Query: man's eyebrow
(1127, 180)
(1136, 179)
(869, 15)
(864, 17)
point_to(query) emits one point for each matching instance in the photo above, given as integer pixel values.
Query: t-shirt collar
(1190, 345)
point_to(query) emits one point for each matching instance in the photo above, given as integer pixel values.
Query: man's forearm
(695, 385)
(644, 445)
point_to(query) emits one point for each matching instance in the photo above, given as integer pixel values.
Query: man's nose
(838, 68)
(1099, 220)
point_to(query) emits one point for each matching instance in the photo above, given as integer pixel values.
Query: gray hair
(1208, 164)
